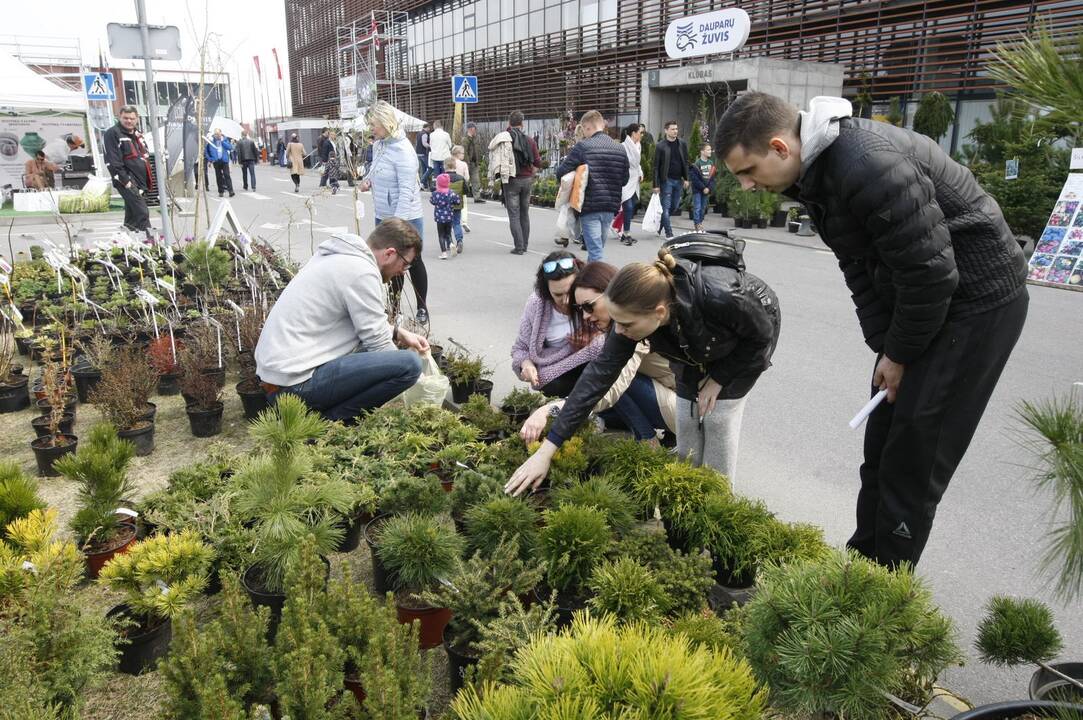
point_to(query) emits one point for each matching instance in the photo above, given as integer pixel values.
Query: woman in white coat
(629, 196)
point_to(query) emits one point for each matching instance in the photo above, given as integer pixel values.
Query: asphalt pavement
(797, 452)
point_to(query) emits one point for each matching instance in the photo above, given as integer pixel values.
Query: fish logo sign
(686, 36)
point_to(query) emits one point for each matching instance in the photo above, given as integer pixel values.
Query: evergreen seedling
(473, 487)
(18, 494)
(418, 550)
(160, 575)
(396, 677)
(1014, 632)
(478, 412)
(627, 590)
(521, 401)
(627, 462)
(836, 635)
(100, 467)
(512, 628)
(685, 579)
(501, 518)
(731, 527)
(422, 495)
(602, 494)
(707, 629)
(573, 541)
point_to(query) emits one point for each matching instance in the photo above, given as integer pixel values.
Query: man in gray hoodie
(937, 279)
(327, 339)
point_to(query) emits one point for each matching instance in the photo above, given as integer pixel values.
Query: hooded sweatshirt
(820, 127)
(334, 306)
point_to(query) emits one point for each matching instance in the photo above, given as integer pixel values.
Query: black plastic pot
(141, 647)
(150, 412)
(218, 374)
(252, 580)
(15, 395)
(460, 392)
(779, 218)
(1045, 685)
(515, 417)
(142, 436)
(483, 387)
(46, 408)
(725, 577)
(86, 379)
(457, 663)
(354, 527)
(41, 425)
(380, 580)
(205, 423)
(491, 437)
(46, 453)
(565, 605)
(254, 401)
(169, 384)
(22, 344)
(1021, 708)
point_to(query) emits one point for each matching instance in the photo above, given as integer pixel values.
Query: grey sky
(245, 28)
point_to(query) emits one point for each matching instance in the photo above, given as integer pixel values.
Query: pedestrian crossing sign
(99, 86)
(464, 88)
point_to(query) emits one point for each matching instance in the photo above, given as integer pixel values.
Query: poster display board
(21, 136)
(1058, 253)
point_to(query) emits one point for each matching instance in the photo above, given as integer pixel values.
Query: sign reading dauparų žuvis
(720, 31)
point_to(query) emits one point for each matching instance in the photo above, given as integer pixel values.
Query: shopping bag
(565, 228)
(430, 389)
(652, 218)
(618, 221)
(579, 188)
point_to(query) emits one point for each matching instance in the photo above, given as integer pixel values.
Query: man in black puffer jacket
(937, 278)
(607, 172)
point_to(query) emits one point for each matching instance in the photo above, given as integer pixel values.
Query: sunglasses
(549, 267)
(587, 307)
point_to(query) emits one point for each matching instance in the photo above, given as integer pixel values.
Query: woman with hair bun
(716, 324)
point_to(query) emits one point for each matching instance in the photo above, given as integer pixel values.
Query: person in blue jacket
(217, 152)
(396, 191)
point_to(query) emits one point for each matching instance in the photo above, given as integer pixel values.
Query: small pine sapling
(423, 495)
(18, 494)
(1014, 632)
(513, 627)
(100, 467)
(160, 575)
(418, 551)
(396, 678)
(489, 524)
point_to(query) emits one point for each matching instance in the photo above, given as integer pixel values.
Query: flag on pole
(255, 59)
(373, 30)
(274, 51)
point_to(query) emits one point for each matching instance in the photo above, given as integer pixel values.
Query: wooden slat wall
(898, 47)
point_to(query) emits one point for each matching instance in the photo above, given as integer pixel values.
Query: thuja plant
(606, 670)
(418, 551)
(815, 626)
(686, 579)
(677, 489)
(573, 541)
(1016, 632)
(602, 494)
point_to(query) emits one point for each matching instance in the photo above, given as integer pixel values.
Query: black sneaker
(231, 194)
(517, 251)
(422, 316)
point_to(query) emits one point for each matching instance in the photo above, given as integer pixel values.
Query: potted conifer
(159, 575)
(490, 422)
(574, 540)
(100, 468)
(55, 443)
(419, 552)
(14, 394)
(519, 403)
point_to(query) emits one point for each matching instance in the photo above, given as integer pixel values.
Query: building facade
(552, 58)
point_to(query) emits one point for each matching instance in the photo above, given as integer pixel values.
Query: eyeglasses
(549, 267)
(406, 265)
(588, 306)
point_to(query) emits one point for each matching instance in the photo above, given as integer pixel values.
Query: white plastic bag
(430, 389)
(652, 218)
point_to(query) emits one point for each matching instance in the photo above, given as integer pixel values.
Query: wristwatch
(554, 411)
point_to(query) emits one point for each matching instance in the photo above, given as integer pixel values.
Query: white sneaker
(443, 256)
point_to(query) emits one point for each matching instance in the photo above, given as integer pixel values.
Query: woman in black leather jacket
(716, 324)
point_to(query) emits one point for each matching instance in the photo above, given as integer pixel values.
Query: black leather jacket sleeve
(114, 158)
(744, 317)
(873, 315)
(895, 200)
(598, 376)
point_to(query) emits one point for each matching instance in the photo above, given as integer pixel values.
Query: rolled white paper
(867, 410)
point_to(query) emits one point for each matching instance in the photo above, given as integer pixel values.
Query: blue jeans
(638, 408)
(671, 198)
(423, 168)
(436, 169)
(248, 170)
(699, 206)
(342, 388)
(457, 225)
(630, 206)
(595, 228)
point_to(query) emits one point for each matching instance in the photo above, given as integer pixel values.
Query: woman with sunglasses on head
(643, 396)
(716, 324)
(546, 353)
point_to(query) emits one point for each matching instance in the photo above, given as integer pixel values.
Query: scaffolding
(374, 50)
(59, 59)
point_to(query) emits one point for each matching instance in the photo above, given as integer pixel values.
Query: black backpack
(520, 145)
(709, 249)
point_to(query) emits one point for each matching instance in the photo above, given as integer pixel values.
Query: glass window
(457, 40)
(448, 25)
(481, 12)
(521, 7)
(494, 34)
(507, 9)
(522, 26)
(552, 19)
(457, 20)
(468, 41)
(588, 14)
(608, 10)
(507, 31)
(468, 20)
(571, 15)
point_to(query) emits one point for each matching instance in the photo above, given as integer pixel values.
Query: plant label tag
(360, 211)
(4, 266)
(29, 566)
(162, 586)
(236, 308)
(16, 315)
(146, 297)
(212, 322)
(166, 285)
(4, 280)
(127, 512)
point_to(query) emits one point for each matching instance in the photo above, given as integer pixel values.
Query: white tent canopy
(23, 89)
(408, 123)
